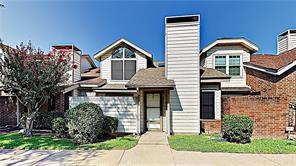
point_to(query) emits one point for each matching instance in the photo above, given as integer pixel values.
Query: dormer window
(228, 64)
(123, 64)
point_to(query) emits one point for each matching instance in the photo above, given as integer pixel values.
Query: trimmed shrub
(110, 125)
(85, 123)
(43, 120)
(59, 127)
(237, 128)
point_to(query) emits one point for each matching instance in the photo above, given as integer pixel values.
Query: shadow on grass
(18, 141)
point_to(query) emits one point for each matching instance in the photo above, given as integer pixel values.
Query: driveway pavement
(153, 149)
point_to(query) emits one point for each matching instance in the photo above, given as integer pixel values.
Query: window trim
(123, 59)
(227, 64)
(234, 65)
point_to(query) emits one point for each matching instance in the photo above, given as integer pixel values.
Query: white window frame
(227, 64)
(123, 59)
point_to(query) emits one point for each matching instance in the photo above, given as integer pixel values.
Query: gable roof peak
(232, 40)
(117, 43)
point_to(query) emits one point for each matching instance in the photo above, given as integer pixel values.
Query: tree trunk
(29, 125)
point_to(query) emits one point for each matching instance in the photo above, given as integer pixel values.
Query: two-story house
(148, 97)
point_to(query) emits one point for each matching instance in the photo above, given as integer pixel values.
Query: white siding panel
(141, 62)
(77, 71)
(292, 41)
(124, 108)
(182, 49)
(218, 104)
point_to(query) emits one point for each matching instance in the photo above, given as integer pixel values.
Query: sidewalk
(152, 149)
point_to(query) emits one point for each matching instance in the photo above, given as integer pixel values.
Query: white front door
(153, 107)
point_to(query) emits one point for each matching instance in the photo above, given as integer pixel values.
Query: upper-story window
(123, 64)
(220, 63)
(234, 65)
(228, 64)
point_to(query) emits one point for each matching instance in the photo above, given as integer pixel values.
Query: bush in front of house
(237, 128)
(59, 127)
(110, 125)
(43, 120)
(85, 123)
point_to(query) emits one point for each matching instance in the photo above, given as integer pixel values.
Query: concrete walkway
(152, 149)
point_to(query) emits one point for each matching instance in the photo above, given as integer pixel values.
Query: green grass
(126, 142)
(18, 141)
(213, 143)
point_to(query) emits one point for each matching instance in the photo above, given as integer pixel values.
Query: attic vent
(182, 19)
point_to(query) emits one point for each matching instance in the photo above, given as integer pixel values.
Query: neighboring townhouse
(10, 109)
(262, 86)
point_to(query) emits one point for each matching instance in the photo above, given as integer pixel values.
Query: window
(129, 53)
(234, 65)
(207, 105)
(117, 72)
(228, 64)
(129, 69)
(220, 63)
(123, 64)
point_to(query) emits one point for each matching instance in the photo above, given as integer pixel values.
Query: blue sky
(92, 25)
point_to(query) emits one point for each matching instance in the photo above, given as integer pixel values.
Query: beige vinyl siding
(292, 40)
(75, 74)
(182, 62)
(283, 44)
(209, 62)
(218, 104)
(286, 42)
(77, 71)
(124, 108)
(106, 67)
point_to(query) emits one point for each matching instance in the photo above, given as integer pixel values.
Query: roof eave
(106, 49)
(246, 43)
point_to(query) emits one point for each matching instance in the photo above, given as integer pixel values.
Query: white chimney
(286, 41)
(182, 66)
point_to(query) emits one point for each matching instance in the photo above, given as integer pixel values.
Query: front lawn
(214, 143)
(18, 141)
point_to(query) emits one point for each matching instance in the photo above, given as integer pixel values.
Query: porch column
(138, 98)
(168, 114)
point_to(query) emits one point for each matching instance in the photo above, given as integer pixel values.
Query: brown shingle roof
(96, 81)
(114, 86)
(208, 73)
(274, 62)
(151, 77)
(91, 73)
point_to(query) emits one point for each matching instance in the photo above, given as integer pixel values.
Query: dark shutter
(129, 69)
(117, 70)
(207, 105)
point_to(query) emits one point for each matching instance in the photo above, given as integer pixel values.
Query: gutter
(279, 72)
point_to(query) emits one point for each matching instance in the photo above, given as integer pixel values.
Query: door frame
(161, 109)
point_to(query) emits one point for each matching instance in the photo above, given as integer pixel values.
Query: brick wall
(269, 85)
(211, 126)
(270, 114)
(7, 111)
